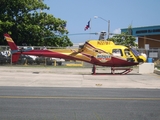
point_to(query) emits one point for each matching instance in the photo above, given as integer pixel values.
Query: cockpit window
(135, 52)
(117, 52)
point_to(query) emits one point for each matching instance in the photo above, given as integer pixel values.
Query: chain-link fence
(153, 53)
(5, 57)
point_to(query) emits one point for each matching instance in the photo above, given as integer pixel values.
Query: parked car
(3, 59)
(48, 61)
(25, 59)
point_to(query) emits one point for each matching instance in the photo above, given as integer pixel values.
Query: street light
(106, 21)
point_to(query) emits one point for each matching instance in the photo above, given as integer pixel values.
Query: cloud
(117, 31)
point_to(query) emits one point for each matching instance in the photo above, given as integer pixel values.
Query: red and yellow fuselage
(97, 52)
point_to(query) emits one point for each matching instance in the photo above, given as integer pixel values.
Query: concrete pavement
(74, 77)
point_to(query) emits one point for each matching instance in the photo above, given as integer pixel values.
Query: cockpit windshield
(135, 52)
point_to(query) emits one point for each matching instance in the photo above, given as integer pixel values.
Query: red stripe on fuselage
(114, 62)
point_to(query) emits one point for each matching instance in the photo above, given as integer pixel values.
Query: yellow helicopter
(97, 52)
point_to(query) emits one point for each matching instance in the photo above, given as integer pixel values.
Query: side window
(127, 53)
(117, 52)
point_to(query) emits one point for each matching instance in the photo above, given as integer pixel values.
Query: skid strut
(125, 70)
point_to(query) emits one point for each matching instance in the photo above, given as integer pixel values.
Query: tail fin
(11, 43)
(13, 47)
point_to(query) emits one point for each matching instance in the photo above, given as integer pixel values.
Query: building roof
(143, 31)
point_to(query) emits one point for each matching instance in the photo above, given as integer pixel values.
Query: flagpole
(90, 29)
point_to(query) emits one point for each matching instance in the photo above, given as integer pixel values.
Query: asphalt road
(29, 103)
(75, 94)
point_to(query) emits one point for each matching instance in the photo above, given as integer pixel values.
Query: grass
(158, 67)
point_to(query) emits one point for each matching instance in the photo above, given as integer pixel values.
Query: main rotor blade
(70, 35)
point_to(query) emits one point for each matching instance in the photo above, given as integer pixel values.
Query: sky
(120, 13)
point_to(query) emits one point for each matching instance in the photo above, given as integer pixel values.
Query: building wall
(146, 35)
(152, 40)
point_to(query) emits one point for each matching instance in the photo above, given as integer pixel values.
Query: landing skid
(125, 70)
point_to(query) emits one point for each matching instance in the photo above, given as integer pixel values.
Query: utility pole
(108, 21)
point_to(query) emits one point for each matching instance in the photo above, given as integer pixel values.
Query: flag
(87, 26)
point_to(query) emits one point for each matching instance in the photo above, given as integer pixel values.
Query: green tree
(125, 39)
(26, 23)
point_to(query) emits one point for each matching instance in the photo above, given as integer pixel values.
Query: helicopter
(97, 52)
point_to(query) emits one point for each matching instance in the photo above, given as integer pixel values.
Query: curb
(157, 72)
